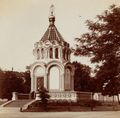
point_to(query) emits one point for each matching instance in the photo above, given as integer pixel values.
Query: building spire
(52, 15)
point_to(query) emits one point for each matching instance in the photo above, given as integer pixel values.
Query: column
(62, 82)
(39, 53)
(32, 82)
(53, 53)
(72, 82)
(14, 96)
(59, 53)
(48, 82)
(47, 52)
(35, 84)
(45, 80)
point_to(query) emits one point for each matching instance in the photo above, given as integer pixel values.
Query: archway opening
(54, 78)
(39, 75)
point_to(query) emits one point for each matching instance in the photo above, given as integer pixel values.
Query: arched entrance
(39, 75)
(54, 78)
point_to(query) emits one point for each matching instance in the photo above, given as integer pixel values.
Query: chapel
(52, 68)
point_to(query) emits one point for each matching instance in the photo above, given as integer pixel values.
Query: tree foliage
(81, 77)
(103, 39)
(102, 44)
(27, 82)
(12, 81)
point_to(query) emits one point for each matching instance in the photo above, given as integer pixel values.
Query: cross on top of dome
(52, 10)
(52, 15)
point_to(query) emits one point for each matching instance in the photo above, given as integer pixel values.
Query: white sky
(23, 22)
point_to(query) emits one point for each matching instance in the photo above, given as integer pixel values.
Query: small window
(51, 53)
(68, 52)
(56, 53)
(42, 53)
(64, 53)
(38, 50)
(38, 53)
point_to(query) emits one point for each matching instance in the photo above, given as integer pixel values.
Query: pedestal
(14, 96)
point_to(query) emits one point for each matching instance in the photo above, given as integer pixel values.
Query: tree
(12, 83)
(27, 82)
(102, 44)
(81, 77)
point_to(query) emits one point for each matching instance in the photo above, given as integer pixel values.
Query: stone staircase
(16, 103)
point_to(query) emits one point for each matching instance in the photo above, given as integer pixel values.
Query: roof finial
(52, 15)
(52, 10)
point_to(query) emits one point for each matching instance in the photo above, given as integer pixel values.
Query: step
(17, 103)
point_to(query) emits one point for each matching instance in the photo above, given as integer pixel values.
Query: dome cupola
(52, 46)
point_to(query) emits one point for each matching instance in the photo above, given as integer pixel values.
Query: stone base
(14, 96)
(68, 95)
(37, 96)
(65, 95)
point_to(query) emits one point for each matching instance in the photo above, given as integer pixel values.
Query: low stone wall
(63, 95)
(71, 95)
(100, 97)
(84, 96)
(57, 95)
(20, 96)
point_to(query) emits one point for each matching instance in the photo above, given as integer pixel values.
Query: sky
(23, 22)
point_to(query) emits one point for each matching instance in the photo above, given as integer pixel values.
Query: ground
(15, 113)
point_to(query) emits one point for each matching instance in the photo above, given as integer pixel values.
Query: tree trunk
(92, 102)
(113, 103)
(118, 98)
